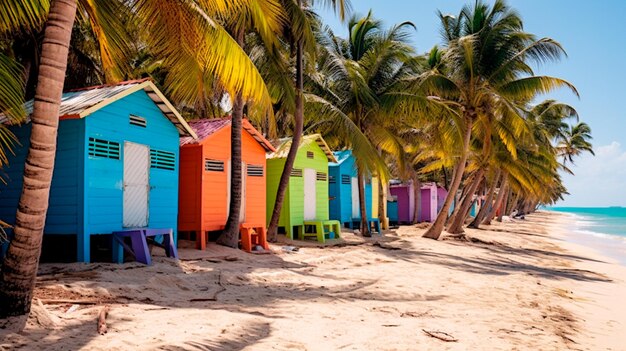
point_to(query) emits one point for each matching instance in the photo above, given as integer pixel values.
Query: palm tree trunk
(513, 204)
(484, 210)
(457, 223)
(434, 232)
(499, 200)
(295, 143)
(17, 279)
(505, 204)
(230, 235)
(365, 227)
(382, 201)
(460, 199)
(417, 189)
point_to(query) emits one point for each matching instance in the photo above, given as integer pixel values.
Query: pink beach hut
(405, 195)
(441, 197)
(428, 211)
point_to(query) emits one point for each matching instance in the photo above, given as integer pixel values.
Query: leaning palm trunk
(487, 209)
(295, 143)
(382, 214)
(434, 232)
(17, 279)
(365, 227)
(499, 200)
(417, 189)
(504, 205)
(230, 235)
(458, 200)
(513, 204)
(456, 227)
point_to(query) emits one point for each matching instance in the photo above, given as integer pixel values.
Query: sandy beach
(514, 286)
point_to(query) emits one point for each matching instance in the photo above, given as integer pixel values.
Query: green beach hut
(306, 198)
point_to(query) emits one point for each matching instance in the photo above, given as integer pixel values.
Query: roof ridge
(126, 82)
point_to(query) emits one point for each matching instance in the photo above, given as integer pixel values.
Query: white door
(310, 178)
(355, 198)
(136, 185)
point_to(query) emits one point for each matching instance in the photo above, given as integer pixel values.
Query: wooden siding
(343, 192)
(190, 199)
(65, 194)
(105, 176)
(214, 186)
(292, 213)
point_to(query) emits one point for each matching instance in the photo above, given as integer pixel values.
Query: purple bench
(139, 244)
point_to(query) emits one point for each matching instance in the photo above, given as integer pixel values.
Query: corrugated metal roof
(283, 145)
(83, 102)
(207, 127)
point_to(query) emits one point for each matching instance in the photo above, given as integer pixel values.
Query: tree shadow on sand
(254, 332)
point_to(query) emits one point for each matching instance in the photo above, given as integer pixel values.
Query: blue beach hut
(116, 163)
(343, 190)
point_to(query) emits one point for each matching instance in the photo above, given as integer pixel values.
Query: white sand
(524, 289)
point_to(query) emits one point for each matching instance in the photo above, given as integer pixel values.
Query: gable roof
(282, 148)
(341, 157)
(204, 128)
(81, 103)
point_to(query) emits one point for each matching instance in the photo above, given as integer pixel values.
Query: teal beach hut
(116, 163)
(343, 190)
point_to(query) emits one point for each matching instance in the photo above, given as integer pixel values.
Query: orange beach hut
(204, 186)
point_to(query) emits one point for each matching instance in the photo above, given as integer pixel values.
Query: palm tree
(356, 93)
(574, 142)
(197, 39)
(301, 35)
(267, 24)
(486, 72)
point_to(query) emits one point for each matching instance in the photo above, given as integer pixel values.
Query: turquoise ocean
(602, 227)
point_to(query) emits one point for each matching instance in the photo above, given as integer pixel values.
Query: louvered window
(138, 121)
(332, 180)
(296, 172)
(104, 148)
(321, 176)
(213, 165)
(309, 154)
(255, 171)
(162, 160)
(346, 179)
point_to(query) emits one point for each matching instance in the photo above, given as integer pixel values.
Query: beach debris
(443, 336)
(231, 258)
(102, 320)
(42, 316)
(68, 302)
(72, 308)
(290, 248)
(386, 247)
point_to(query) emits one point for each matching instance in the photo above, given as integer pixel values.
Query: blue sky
(594, 35)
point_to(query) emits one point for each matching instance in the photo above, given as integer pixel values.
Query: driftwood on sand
(440, 335)
(102, 320)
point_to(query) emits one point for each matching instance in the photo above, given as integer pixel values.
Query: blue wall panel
(341, 207)
(65, 196)
(105, 176)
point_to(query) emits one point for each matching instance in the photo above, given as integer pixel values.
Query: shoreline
(514, 286)
(611, 246)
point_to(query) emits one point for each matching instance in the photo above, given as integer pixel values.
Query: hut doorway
(136, 185)
(310, 194)
(356, 213)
